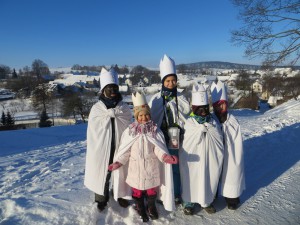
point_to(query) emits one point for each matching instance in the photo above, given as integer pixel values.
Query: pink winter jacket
(143, 170)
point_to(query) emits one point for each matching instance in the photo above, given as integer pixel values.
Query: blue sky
(124, 32)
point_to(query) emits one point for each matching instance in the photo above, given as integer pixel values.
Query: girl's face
(143, 117)
(170, 82)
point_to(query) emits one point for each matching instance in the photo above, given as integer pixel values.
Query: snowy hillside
(42, 170)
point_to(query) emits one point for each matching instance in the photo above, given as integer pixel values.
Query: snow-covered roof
(70, 79)
(233, 77)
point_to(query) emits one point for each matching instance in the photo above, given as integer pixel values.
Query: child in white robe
(232, 182)
(108, 118)
(201, 155)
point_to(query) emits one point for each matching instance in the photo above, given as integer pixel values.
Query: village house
(257, 87)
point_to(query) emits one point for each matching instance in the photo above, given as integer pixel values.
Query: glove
(170, 159)
(114, 166)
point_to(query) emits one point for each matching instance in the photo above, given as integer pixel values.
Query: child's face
(111, 90)
(170, 82)
(221, 107)
(143, 117)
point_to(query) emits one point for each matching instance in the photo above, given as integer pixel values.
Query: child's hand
(170, 159)
(114, 166)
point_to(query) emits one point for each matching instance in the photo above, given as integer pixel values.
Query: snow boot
(232, 206)
(178, 200)
(140, 208)
(232, 203)
(210, 209)
(101, 206)
(123, 202)
(188, 210)
(152, 210)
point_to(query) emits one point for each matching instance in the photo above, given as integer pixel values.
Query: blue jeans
(176, 175)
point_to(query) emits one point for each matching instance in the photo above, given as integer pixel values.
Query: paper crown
(199, 95)
(218, 91)
(139, 99)
(108, 77)
(166, 66)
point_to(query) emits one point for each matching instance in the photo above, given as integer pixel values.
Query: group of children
(174, 151)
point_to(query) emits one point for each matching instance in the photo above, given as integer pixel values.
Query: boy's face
(111, 90)
(170, 82)
(143, 117)
(202, 110)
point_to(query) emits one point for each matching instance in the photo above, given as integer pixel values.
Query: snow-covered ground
(42, 170)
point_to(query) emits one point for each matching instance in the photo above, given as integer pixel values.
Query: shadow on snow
(269, 156)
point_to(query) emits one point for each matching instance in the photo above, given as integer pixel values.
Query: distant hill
(225, 65)
(221, 65)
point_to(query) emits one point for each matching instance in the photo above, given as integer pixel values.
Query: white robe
(123, 190)
(99, 135)
(232, 181)
(201, 159)
(157, 109)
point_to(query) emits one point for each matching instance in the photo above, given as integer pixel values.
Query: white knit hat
(108, 77)
(218, 91)
(166, 66)
(199, 95)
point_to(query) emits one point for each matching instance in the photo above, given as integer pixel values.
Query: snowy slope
(41, 176)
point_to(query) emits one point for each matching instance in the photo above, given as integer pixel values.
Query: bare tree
(273, 84)
(243, 81)
(292, 86)
(40, 68)
(74, 104)
(41, 97)
(271, 30)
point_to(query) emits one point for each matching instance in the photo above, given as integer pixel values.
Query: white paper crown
(108, 77)
(218, 91)
(199, 95)
(167, 66)
(138, 99)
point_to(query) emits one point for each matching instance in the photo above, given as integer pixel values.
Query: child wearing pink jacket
(142, 163)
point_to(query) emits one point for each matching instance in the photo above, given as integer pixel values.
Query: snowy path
(41, 182)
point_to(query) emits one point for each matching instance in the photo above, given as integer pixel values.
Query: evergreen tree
(9, 120)
(14, 74)
(44, 120)
(3, 119)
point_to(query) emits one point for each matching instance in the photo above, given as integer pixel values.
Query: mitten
(170, 159)
(114, 166)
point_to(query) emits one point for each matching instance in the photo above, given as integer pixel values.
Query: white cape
(165, 190)
(233, 177)
(157, 109)
(99, 134)
(201, 159)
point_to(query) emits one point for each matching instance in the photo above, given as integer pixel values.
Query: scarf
(168, 94)
(200, 119)
(137, 128)
(111, 102)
